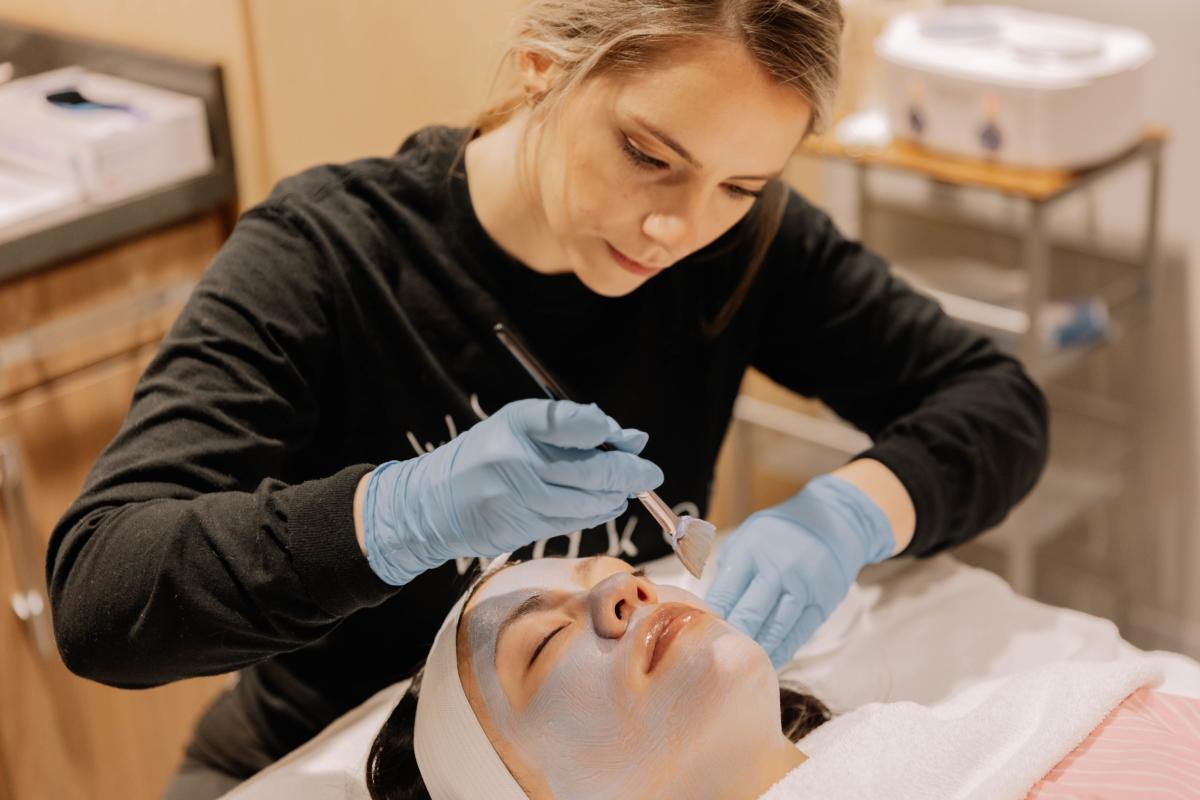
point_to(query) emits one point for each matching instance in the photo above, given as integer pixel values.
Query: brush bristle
(693, 543)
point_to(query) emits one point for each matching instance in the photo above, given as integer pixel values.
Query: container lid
(1006, 46)
(76, 104)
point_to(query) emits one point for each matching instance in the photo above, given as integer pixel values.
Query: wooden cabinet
(73, 342)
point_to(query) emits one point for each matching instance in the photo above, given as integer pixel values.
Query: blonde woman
(303, 476)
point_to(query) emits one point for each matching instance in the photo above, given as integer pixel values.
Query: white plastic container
(25, 194)
(1015, 86)
(128, 139)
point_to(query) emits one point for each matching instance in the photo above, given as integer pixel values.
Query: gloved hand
(785, 569)
(528, 472)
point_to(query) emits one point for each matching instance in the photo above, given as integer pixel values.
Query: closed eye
(643, 161)
(738, 191)
(537, 651)
(639, 158)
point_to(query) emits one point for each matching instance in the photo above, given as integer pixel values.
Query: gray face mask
(598, 726)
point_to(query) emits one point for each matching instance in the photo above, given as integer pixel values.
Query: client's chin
(712, 659)
(740, 660)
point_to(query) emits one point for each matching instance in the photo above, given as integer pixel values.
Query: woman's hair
(795, 41)
(393, 773)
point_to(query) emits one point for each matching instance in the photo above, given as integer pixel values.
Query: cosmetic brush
(690, 538)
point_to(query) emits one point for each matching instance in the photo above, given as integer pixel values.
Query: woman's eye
(640, 159)
(739, 192)
(537, 650)
(643, 161)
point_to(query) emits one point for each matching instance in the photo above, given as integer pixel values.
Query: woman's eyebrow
(683, 153)
(585, 566)
(588, 564)
(668, 140)
(535, 602)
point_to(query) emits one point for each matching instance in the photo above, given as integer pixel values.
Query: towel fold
(992, 742)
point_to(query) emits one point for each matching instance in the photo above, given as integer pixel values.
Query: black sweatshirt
(348, 321)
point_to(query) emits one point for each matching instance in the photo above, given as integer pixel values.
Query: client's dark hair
(392, 772)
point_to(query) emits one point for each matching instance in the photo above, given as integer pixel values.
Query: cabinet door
(62, 736)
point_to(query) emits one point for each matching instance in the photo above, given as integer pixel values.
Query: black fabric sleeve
(196, 546)
(958, 421)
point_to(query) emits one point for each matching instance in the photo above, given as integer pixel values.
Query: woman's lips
(628, 264)
(663, 627)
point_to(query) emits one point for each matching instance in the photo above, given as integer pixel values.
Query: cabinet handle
(28, 599)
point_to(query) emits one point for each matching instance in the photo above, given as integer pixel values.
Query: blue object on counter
(1079, 322)
(72, 100)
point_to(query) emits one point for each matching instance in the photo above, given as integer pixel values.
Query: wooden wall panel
(63, 394)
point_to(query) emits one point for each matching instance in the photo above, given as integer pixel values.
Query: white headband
(456, 759)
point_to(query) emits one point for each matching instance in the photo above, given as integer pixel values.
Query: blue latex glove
(785, 569)
(530, 471)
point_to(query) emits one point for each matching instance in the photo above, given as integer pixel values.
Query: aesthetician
(304, 476)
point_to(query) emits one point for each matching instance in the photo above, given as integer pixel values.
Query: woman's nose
(613, 600)
(669, 231)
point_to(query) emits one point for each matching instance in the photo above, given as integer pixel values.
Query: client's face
(591, 681)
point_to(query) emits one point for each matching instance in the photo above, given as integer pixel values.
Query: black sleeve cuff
(919, 473)
(324, 546)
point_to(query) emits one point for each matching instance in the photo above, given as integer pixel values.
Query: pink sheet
(1148, 747)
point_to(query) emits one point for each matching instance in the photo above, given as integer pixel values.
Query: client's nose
(613, 600)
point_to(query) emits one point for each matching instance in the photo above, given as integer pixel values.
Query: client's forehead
(564, 574)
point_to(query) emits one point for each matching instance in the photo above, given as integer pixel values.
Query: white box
(1020, 87)
(25, 194)
(154, 137)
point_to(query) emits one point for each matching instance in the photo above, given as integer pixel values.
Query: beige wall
(348, 79)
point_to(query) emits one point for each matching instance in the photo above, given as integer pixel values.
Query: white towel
(993, 742)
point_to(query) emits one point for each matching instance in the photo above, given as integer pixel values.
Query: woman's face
(591, 681)
(652, 167)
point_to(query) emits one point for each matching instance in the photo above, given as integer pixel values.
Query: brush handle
(660, 511)
(531, 364)
(653, 503)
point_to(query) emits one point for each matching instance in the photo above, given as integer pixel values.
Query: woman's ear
(538, 74)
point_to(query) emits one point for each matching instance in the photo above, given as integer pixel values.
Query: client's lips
(662, 628)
